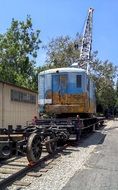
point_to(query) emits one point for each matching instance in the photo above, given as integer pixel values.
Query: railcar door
(59, 88)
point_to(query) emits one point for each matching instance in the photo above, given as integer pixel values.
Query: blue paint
(68, 88)
(55, 83)
(65, 83)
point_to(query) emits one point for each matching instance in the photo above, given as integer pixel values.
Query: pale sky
(66, 17)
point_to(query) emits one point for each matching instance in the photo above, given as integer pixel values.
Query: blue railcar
(66, 91)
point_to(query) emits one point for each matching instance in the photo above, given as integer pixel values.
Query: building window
(78, 81)
(15, 95)
(23, 97)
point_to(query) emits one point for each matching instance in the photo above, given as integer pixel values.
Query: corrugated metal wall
(14, 112)
(1, 102)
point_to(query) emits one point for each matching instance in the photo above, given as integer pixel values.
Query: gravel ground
(100, 172)
(69, 162)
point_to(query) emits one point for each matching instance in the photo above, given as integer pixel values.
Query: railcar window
(22, 97)
(78, 81)
(63, 81)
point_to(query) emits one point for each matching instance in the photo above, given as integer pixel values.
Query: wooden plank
(8, 160)
(25, 161)
(34, 174)
(53, 163)
(12, 167)
(7, 171)
(16, 164)
(22, 183)
(49, 167)
(43, 170)
(12, 136)
(49, 161)
(40, 170)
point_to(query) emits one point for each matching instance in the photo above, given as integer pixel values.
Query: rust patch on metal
(70, 103)
(64, 108)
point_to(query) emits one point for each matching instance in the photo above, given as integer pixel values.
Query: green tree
(116, 91)
(103, 74)
(18, 52)
(61, 52)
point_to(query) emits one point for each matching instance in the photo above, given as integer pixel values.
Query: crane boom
(86, 43)
(87, 37)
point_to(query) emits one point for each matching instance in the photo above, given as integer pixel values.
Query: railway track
(14, 170)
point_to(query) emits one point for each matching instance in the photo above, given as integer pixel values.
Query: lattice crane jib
(86, 45)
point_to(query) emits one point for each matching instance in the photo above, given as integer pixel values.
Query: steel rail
(20, 174)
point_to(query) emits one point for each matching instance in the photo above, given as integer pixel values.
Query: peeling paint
(70, 103)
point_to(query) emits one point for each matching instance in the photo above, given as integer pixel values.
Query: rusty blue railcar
(66, 91)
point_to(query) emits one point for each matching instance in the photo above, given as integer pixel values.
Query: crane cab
(66, 91)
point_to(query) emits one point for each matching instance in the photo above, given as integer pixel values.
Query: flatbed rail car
(65, 128)
(45, 132)
(27, 141)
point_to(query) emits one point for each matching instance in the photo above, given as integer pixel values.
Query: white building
(17, 105)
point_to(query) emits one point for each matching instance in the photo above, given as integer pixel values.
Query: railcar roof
(66, 69)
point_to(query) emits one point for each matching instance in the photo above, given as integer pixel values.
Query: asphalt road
(100, 172)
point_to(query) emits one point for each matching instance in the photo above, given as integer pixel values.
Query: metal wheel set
(50, 133)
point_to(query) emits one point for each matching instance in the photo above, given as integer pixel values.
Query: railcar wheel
(34, 148)
(6, 151)
(51, 145)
